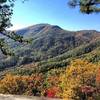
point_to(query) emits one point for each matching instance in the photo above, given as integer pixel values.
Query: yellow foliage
(13, 84)
(78, 74)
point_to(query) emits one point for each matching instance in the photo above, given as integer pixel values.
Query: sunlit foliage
(29, 85)
(78, 74)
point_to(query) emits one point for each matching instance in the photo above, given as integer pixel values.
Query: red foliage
(51, 92)
(87, 89)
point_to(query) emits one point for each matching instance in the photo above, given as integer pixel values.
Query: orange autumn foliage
(98, 76)
(13, 84)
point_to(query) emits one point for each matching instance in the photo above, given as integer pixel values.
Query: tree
(79, 76)
(6, 11)
(86, 6)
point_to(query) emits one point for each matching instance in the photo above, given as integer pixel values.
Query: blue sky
(55, 12)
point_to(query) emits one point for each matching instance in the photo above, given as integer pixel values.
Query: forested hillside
(52, 43)
(41, 67)
(45, 60)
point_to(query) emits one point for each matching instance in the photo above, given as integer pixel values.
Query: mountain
(53, 43)
(51, 40)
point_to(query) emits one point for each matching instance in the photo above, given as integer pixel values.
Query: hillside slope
(53, 43)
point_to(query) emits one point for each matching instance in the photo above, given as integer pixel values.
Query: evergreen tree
(86, 6)
(6, 11)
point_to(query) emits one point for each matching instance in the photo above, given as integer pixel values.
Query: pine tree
(86, 6)
(6, 11)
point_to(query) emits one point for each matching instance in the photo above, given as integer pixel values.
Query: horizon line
(20, 27)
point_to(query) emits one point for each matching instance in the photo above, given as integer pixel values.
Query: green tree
(6, 11)
(86, 6)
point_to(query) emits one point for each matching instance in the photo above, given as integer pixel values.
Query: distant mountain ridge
(50, 41)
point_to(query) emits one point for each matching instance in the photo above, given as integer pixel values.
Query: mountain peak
(46, 25)
(56, 27)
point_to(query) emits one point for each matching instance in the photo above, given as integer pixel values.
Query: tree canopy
(6, 11)
(86, 6)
